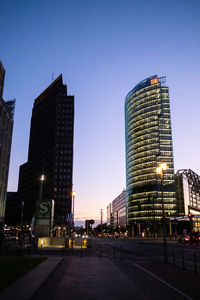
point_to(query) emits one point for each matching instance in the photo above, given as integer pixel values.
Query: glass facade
(148, 144)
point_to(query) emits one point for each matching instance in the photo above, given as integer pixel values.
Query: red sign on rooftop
(154, 80)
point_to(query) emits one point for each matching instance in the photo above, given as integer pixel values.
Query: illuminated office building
(148, 143)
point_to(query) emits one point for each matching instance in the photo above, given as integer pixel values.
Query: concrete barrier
(79, 242)
(51, 242)
(59, 242)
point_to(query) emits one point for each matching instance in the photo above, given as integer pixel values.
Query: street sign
(43, 209)
(44, 217)
(68, 217)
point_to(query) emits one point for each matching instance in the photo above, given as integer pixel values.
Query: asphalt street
(180, 254)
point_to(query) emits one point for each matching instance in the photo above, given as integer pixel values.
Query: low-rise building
(110, 220)
(119, 210)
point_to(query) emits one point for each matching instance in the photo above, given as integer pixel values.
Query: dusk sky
(103, 48)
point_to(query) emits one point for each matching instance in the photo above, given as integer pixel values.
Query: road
(178, 254)
(105, 272)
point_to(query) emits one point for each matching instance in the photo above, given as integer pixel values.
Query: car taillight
(199, 238)
(187, 238)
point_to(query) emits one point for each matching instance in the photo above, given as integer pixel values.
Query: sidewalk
(89, 278)
(28, 284)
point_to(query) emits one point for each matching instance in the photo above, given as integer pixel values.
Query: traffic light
(88, 224)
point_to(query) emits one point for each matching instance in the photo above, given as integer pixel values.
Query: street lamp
(22, 213)
(40, 192)
(160, 171)
(73, 200)
(42, 178)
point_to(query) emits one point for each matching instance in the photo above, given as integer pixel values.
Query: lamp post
(22, 213)
(160, 171)
(42, 178)
(73, 200)
(34, 218)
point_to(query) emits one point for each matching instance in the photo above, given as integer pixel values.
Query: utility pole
(101, 216)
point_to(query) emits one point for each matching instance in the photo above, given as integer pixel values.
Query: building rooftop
(146, 82)
(48, 90)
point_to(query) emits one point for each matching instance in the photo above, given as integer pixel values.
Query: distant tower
(6, 127)
(148, 143)
(50, 153)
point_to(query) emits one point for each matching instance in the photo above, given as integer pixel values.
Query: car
(195, 238)
(9, 237)
(184, 239)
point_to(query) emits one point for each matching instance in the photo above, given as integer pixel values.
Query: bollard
(113, 252)
(121, 254)
(62, 249)
(183, 260)
(195, 263)
(100, 252)
(81, 250)
(174, 257)
(124, 252)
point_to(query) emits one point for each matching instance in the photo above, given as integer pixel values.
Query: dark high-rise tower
(6, 127)
(2, 76)
(148, 143)
(50, 153)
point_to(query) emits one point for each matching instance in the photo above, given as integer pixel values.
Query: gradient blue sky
(103, 48)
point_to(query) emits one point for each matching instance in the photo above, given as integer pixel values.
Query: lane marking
(161, 280)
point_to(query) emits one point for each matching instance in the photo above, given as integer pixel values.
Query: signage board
(43, 209)
(154, 80)
(44, 217)
(68, 217)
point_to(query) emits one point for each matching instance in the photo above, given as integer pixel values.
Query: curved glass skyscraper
(148, 144)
